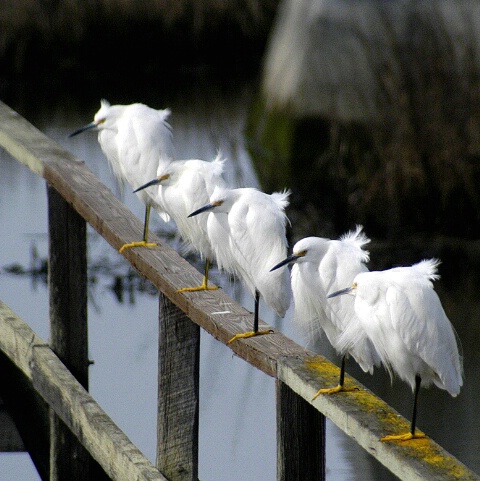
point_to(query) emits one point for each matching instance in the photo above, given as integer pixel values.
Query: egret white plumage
(399, 311)
(247, 231)
(136, 140)
(186, 185)
(322, 266)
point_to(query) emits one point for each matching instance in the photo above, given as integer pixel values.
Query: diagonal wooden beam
(107, 444)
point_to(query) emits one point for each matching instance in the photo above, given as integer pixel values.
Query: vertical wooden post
(30, 414)
(68, 327)
(300, 438)
(178, 393)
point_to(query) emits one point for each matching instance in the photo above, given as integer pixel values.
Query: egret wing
(257, 223)
(419, 319)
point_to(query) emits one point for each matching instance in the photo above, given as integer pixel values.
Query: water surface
(237, 410)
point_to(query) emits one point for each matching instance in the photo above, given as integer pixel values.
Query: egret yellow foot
(403, 437)
(137, 244)
(246, 335)
(334, 390)
(202, 287)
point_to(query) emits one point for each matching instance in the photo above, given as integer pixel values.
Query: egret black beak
(205, 208)
(82, 129)
(155, 181)
(291, 258)
(347, 290)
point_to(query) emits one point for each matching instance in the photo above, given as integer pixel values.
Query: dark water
(237, 416)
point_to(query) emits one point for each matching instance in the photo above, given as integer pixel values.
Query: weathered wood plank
(120, 459)
(363, 416)
(178, 393)
(213, 310)
(30, 413)
(17, 339)
(366, 418)
(300, 437)
(67, 282)
(14, 140)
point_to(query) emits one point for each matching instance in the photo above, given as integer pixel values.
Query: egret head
(291, 259)
(217, 202)
(103, 114)
(220, 196)
(309, 249)
(210, 206)
(161, 179)
(99, 121)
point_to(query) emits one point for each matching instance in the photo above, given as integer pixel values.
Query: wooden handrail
(214, 311)
(361, 414)
(120, 459)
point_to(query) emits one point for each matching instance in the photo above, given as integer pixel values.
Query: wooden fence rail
(88, 422)
(298, 373)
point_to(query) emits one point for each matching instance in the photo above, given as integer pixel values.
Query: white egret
(322, 266)
(136, 140)
(247, 231)
(186, 185)
(399, 311)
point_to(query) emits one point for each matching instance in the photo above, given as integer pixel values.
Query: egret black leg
(146, 222)
(418, 382)
(340, 387)
(255, 315)
(412, 434)
(255, 332)
(342, 373)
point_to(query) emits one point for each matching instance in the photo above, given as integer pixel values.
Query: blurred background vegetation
(378, 105)
(368, 110)
(107, 39)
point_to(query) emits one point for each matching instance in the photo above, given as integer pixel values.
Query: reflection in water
(237, 415)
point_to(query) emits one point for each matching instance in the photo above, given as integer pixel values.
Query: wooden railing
(78, 424)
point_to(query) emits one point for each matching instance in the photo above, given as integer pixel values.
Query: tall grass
(38, 36)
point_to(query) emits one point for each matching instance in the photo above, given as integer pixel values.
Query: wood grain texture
(300, 437)
(214, 311)
(67, 286)
(67, 282)
(366, 418)
(120, 459)
(178, 393)
(360, 414)
(109, 446)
